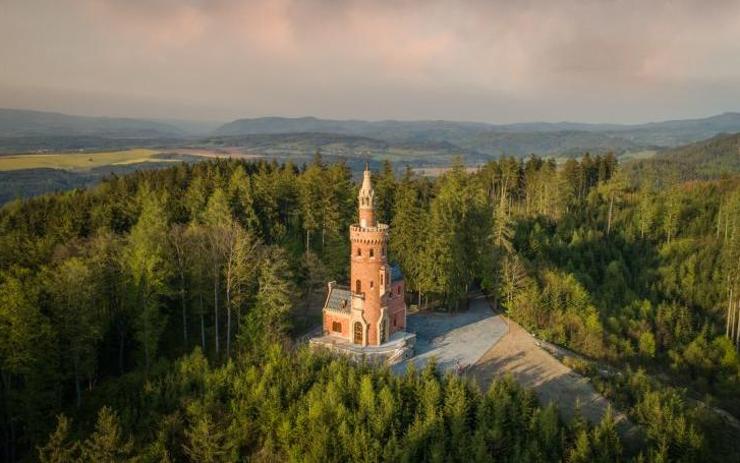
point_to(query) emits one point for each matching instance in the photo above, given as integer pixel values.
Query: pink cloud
(303, 54)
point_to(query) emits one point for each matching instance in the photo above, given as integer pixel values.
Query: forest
(152, 317)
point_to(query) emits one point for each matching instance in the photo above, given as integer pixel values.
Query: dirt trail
(519, 354)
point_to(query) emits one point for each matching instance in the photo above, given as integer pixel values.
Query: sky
(495, 61)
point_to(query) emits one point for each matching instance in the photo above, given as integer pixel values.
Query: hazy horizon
(497, 62)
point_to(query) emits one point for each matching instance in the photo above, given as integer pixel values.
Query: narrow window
(358, 333)
(381, 279)
(372, 253)
(398, 290)
(358, 286)
(371, 284)
(359, 251)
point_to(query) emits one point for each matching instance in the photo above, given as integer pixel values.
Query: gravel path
(520, 355)
(450, 338)
(494, 346)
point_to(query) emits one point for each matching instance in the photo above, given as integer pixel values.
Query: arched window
(359, 251)
(371, 284)
(358, 286)
(372, 252)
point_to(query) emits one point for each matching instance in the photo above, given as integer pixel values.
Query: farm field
(79, 161)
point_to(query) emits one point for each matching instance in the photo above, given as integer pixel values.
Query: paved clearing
(519, 354)
(494, 346)
(451, 338)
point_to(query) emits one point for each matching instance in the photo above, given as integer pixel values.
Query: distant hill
(680, 132)
(710, 158)
(420, 141)
(23, 123)
(300, 147)
(561, 138)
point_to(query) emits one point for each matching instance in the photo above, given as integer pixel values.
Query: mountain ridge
(27, 130)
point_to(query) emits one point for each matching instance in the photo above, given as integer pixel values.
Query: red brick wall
(368, 215)
(330, 318)
(397, 307)
(366, 269)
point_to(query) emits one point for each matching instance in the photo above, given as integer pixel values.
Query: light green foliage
(268, 320)
(108, 443)
(456, 231)
(647, 344)
(241, 200)
(77, 320)
(147, 259)
(59, 449)
(409, 231)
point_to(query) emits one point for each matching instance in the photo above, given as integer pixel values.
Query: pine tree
(385, 191)
(607, 447)
(218, 221)
(59, 449)
(268, 320)
(78, 323)
(147, 261)
(206, 443)
(241, 200)
(409, 232)
(108, 443)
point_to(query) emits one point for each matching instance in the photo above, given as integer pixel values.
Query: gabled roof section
(339, 299)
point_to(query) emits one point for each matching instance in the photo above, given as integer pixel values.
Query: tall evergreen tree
(147, 258)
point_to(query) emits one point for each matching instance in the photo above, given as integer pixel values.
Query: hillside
(428, 141)
(23, 123)
(702, 160)
(561, 138)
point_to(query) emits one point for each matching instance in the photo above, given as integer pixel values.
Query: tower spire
(366, 198)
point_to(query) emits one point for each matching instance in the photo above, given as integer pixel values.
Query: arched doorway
(357, 339)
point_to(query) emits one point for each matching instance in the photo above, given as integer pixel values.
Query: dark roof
(339, 300)
(396, 274)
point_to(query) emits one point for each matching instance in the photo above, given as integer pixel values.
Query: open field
(84, 161)
(644, 154)
(78, 161)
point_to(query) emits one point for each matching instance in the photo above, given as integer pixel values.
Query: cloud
(474, 59)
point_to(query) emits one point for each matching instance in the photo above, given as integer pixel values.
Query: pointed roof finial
(367, 165)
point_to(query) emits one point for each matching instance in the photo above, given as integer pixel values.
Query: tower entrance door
(358, 333)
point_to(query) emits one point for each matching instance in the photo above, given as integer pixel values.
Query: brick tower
(371, 308)
(369, 263)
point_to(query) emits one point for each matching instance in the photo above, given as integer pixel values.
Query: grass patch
(645, 154)
(78, 161)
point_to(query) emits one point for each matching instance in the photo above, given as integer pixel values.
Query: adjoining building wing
(339, 299)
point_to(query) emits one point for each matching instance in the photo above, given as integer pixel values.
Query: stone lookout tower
(370, 311)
